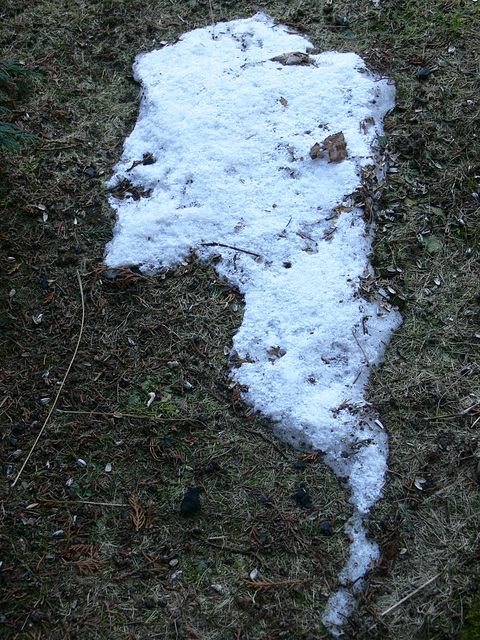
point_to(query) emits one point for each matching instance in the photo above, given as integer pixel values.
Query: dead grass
(100, 550)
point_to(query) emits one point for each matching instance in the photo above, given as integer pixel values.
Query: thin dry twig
(140, 416)
(224, 547)
(454, 415)
(61, 385)
(266, 584)
(228, 246)
(410, 595)
(366, 358)
(262, 435)
(103, 504)
(211, 12)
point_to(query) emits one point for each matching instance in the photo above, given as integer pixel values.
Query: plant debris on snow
(99, 548)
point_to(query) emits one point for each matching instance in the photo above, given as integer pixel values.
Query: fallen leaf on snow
(296, 57)
(334, 144)
(277, 352)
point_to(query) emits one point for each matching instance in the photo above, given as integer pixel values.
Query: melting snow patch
(339, 607)
(248, 146)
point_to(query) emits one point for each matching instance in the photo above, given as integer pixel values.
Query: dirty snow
(230, 132)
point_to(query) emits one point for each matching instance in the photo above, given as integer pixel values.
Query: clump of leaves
(13, 83)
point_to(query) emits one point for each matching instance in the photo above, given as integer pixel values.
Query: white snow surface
(230, 132)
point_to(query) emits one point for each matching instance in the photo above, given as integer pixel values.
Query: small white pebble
(151, 398)
(217, 587)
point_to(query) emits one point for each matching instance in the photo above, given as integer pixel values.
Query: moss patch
(471, 630)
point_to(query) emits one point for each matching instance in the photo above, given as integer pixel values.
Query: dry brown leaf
(296, 57)
(334, 144)
(276, 352)
(316, 151)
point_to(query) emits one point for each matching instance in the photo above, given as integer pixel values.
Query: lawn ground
(92, 542)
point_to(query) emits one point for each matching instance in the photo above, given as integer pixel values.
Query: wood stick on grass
(141, 416)
(454, 415)
(410, 595)
(61, 385)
